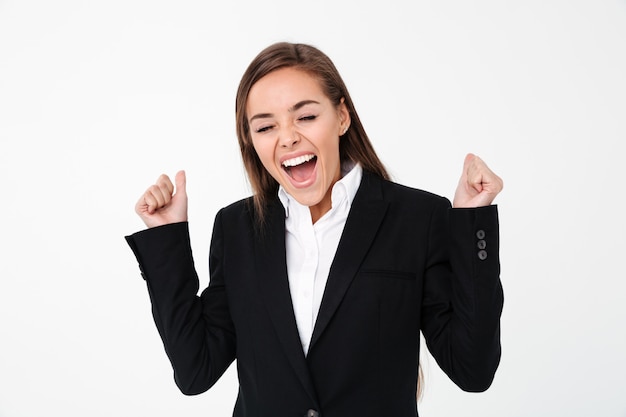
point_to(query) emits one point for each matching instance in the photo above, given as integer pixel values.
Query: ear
(344, 117)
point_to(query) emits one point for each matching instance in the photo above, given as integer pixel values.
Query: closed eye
(263, 129)
(307, 118)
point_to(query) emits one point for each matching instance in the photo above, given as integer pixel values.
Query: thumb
(471, 174)
(181, 183)
(467, 163)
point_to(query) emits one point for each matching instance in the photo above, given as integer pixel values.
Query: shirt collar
(348, 185)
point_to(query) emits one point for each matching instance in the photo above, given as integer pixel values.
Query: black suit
(405, 262)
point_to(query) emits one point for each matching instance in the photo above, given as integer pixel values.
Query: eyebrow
(293, 108)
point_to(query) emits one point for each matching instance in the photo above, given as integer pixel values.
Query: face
(295, 132)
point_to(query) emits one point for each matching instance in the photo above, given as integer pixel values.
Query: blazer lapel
(274, 287)
(367, 212)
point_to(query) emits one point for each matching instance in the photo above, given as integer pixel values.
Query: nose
(288, 137)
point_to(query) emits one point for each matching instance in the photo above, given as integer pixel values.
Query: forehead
(282, 88)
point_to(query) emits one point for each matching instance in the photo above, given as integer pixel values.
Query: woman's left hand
(478, 185)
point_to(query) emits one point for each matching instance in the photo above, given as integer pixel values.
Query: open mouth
(301, 167)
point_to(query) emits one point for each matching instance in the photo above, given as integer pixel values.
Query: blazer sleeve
(463, 295)
(197, 331)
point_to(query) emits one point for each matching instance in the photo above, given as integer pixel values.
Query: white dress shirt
(311, 248)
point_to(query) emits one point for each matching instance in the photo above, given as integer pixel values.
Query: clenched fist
(159, 205)
(478, 185)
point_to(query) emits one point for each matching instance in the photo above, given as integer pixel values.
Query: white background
(97, 98)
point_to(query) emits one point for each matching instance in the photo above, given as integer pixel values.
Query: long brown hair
(354, 144)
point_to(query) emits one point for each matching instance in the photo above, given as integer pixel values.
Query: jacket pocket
(387, 273)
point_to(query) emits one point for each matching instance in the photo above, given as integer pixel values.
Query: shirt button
(482, 255)
(480, 234)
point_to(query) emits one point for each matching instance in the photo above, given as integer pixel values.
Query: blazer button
(480, 234)
(312, 413)
(481, 244)
(482, 255)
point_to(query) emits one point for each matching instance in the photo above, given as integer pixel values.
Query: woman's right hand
(159, 205)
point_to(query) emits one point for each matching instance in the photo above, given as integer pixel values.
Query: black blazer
(406, 262)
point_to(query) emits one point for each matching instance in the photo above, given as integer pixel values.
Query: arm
(197, 332)
(462, 292)
(463, 296)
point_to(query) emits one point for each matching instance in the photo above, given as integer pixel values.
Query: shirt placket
(307, 283)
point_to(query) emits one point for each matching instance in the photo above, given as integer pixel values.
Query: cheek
(265, 152)
(330, 147)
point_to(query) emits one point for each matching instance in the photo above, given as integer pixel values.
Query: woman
(321, 282)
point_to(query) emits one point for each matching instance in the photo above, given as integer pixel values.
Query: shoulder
(241, 205)
(236, 211)
(244, 212)
(394, 192)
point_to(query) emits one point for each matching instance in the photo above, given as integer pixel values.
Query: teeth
(298, 160)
